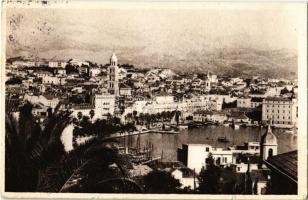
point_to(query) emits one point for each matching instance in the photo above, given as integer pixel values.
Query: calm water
(167, 144)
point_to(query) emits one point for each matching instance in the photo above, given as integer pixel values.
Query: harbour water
(166, 145)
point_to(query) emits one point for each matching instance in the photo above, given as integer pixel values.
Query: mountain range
(280, 63)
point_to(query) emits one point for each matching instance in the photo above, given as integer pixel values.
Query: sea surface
(166, 145)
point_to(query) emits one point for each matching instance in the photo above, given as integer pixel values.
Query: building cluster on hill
(120, 90)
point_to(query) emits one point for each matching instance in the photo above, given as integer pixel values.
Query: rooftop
(277, 99)
(285, 163)
(260, 175)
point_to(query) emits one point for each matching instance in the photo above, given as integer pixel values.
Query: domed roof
(269, 138)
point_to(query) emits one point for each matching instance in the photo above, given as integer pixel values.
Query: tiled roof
(278, 99)
(285, 163)
(256, 99)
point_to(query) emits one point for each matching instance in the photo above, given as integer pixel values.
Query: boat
(226, 124)
(235, 126)
(173, 120)
(244, 125)
(291, 131)
(223, 139)
(183, 127)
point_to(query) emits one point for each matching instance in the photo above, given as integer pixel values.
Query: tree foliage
(35, 159)
(161, 182)
(29, 148)
(209, 177)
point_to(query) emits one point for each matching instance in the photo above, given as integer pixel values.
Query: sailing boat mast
(162, 155)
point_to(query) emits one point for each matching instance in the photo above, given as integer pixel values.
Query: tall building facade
(113, 76)
(104, 104)
(282, 111)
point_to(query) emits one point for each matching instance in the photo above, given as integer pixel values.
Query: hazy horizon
(171, 38)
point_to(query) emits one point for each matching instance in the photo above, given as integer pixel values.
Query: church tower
(208, 82)
(268, 144)
(113, 75)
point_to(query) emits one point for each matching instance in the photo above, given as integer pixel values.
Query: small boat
(290, 131)
(223, 139)
(183, 127)
(226, 124)
(173, 120)
(235, 126)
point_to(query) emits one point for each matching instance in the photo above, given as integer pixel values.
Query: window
(270, 152)
(207, 149)
(218, 161)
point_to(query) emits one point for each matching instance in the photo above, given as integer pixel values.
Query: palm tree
(135, 114)
(79, 116)
(94, 166)
(158, 116)
(30, 148)
(91, 113)
(35, 159)
(141, 117)
(164, 115)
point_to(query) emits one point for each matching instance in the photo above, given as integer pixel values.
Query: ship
(223, 139)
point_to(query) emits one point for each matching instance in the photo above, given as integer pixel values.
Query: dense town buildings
(156, 90)
(159, 97)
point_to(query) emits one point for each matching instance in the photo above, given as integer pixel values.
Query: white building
(167, 103)
(19, 63)
(194, 156)
(45, 100)
(243, 167)
(94, 71)
(61, 71)
(282, 111)
(53, 80)
(55, 64)
(104, 104)
(125, 90)
(243, 102)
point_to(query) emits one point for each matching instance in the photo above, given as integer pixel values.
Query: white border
(302, 80)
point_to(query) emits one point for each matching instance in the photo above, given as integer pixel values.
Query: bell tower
(208, 82)
(268, 144)
(113, 75)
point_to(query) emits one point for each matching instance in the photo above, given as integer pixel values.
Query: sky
(146, 35)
